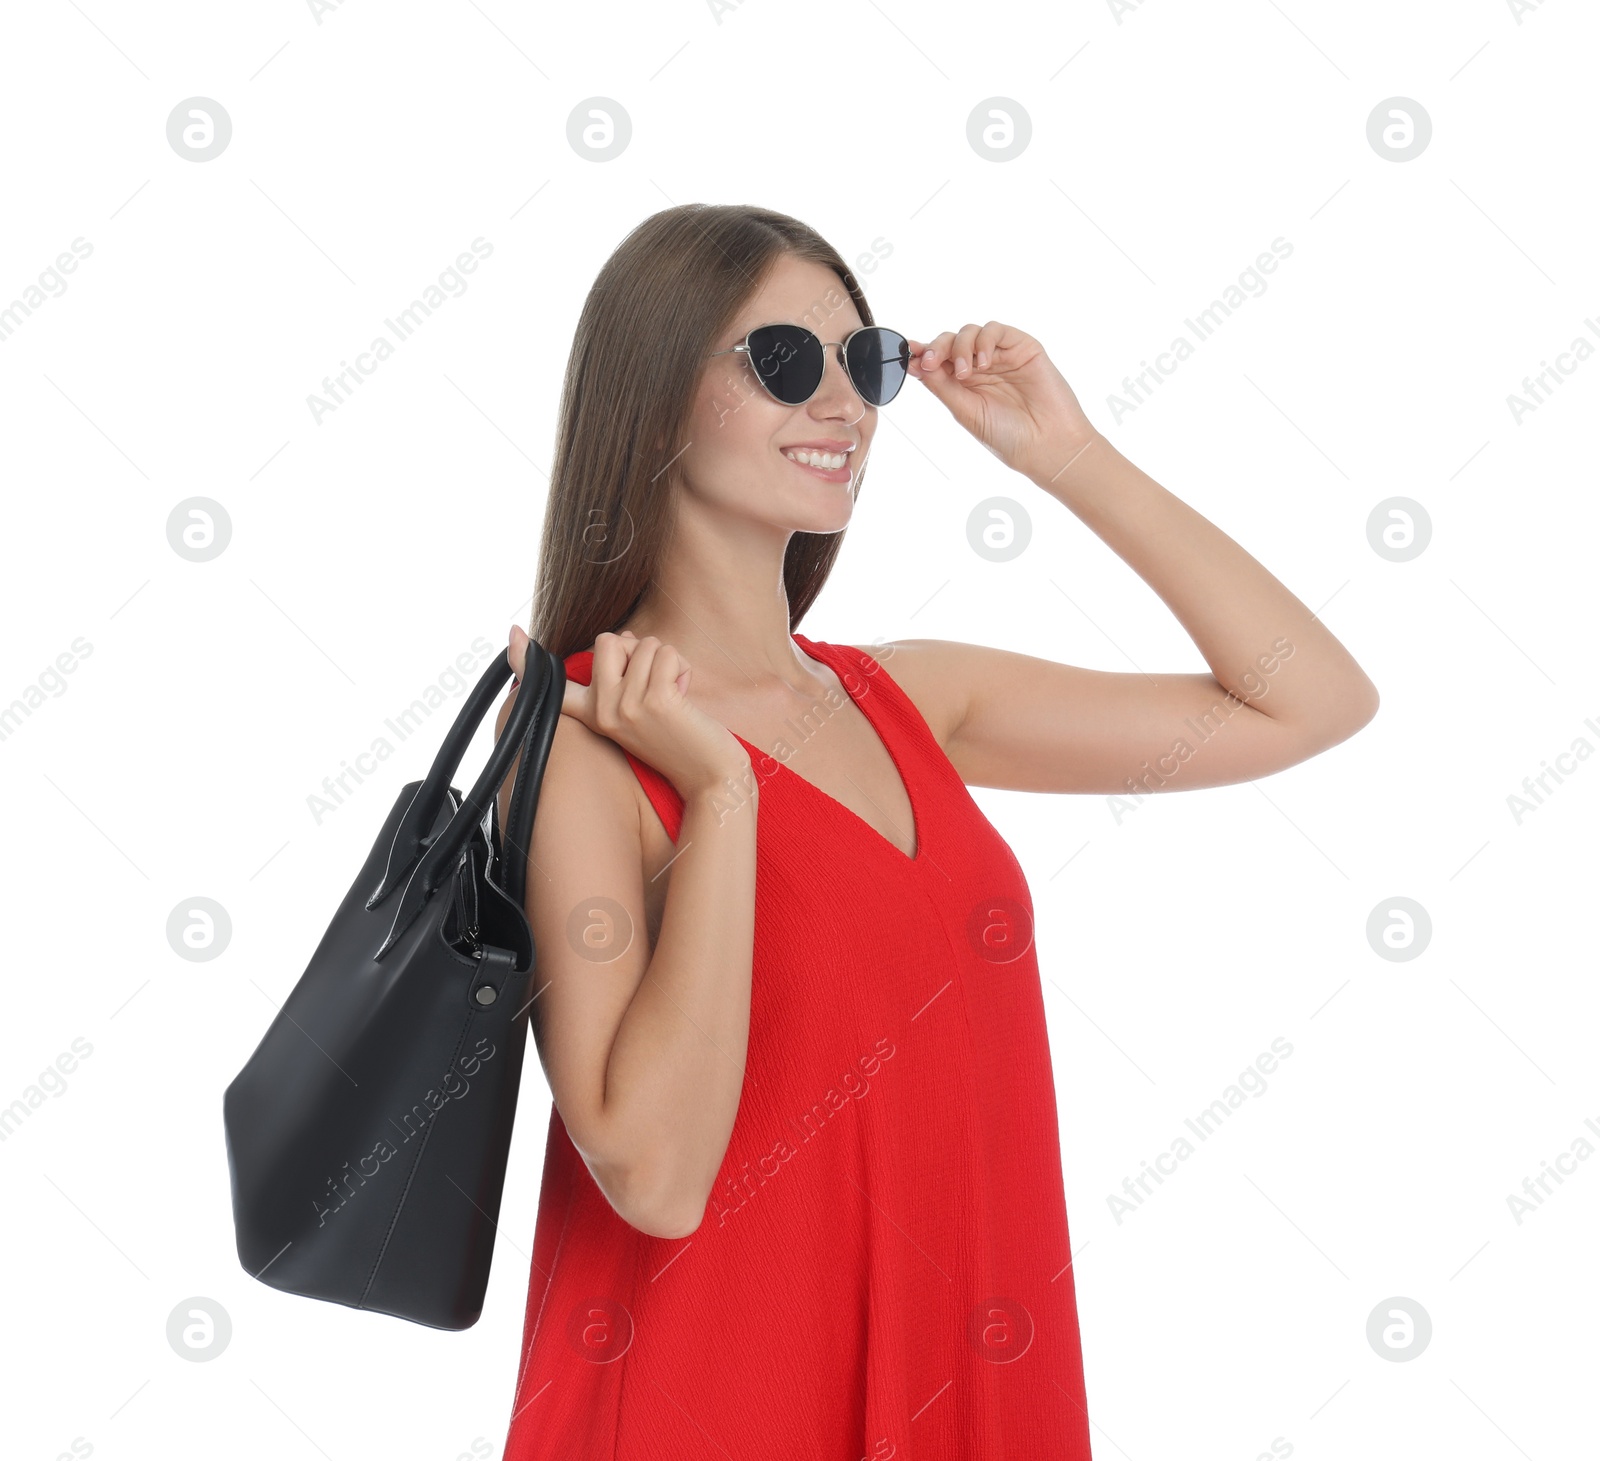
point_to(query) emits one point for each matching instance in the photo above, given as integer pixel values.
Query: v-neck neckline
(809, 648)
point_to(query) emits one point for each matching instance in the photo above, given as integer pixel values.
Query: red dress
(883, 1268)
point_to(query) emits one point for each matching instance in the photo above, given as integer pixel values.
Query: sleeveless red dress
(883, 1269)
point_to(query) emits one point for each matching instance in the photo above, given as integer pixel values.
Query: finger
(622, 646)
(636, 678)
(920, 364)
(987, 343)
(668, 667)
(577, 700)
(935, 354)
(611, 656)
(962, 350)
(942, 382)
(517, 653)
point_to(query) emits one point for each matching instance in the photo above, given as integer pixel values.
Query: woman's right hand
(637, 696)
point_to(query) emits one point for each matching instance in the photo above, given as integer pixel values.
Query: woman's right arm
(644, 1049)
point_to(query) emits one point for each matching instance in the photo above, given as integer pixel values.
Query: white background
(1169, 148)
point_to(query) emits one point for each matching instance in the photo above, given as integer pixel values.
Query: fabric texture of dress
(883, 1268)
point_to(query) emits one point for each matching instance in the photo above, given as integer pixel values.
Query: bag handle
(412, 835)
(530, 728)
(513, 867)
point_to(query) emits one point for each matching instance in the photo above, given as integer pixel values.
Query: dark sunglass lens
(877, 360)
(788, 359)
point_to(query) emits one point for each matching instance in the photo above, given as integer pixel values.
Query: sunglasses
(789, 361)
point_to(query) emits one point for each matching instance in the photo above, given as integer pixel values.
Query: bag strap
(534, 706)
(411, 837)
(511, 873)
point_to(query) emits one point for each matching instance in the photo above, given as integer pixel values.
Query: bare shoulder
(587, 787)
(930, 671)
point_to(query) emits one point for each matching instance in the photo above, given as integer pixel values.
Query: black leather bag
(368, 1134)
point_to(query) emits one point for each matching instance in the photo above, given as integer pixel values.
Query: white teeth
(828, 461)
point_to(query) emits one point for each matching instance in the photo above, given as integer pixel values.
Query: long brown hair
(676, 281)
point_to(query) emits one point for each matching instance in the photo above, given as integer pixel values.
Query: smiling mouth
(830, 466)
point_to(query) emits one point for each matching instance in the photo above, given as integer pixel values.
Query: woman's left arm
(1281, 689)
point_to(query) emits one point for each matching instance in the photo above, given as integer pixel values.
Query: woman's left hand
(1000, 385)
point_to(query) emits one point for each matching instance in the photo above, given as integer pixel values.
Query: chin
(819, 514)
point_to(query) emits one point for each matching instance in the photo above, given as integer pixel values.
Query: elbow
(667, 1225)
(664, 1219)
(1313, 737)
(654, 1204)
(1356, 710)
(651, 1180)
(1366, 707)
(1368, 699)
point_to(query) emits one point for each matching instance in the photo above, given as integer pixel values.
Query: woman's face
(735, 459)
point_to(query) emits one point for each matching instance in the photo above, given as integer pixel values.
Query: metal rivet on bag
(486, 994)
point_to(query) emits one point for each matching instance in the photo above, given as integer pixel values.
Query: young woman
(802, 1193)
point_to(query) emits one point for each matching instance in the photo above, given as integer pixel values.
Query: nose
(837, 395)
